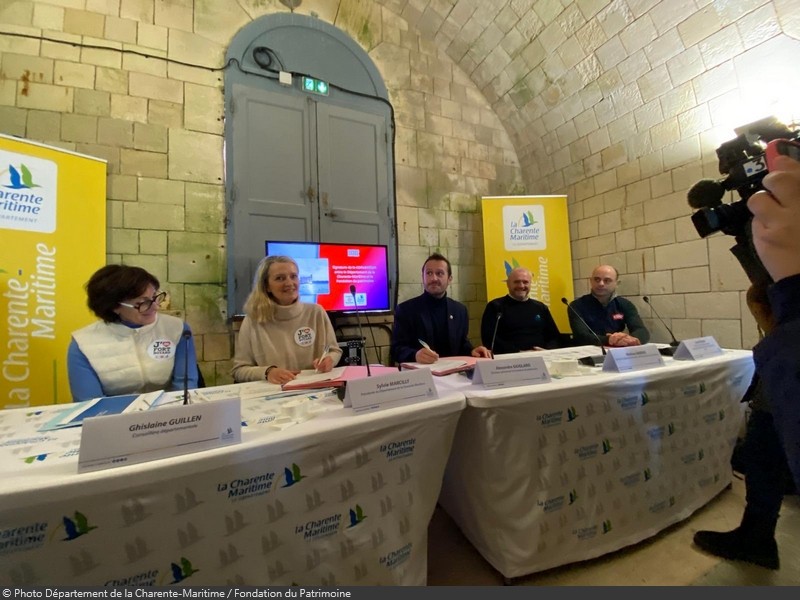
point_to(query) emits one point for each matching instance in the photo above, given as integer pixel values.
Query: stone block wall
(619, 104)
(140, 84)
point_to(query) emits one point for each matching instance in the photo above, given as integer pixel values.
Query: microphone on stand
(663, 351)
(494, 335)
(360, 331)
(592, 361)
(186, 335)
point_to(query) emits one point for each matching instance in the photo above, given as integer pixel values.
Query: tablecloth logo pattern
(292, 476)
(397, 557)
(629, 480)
(632, 402)
(662, 505)
(356, 516)
(76, 526)
(318, 528)
(556, 503)
(35, 458)
(144, 578)
(550, 419)
(383, 501)
(182, 571)
(586, 452)
(24, 537)
(644, 453)
(255, 485)
(146, 520)
(184, 501)
(401, 449)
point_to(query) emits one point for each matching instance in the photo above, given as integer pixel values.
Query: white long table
(546, 475)
(337, 500)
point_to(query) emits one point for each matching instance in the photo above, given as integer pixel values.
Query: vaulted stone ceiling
(583, 86)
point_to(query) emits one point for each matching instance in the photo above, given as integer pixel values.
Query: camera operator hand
(776, 219)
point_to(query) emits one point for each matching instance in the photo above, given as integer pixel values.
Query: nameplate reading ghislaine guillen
(128, 439)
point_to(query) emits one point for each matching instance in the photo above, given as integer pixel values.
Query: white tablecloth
(546, 475)
(337, 500)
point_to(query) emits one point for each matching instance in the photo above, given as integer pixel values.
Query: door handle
(328, 212)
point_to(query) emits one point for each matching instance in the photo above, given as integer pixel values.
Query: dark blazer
(412, 322)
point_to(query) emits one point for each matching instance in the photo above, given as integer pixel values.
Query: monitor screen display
(328, 270)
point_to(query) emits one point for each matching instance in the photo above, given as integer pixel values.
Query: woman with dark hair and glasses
(132, 349)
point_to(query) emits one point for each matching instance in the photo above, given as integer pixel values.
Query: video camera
(743, 160)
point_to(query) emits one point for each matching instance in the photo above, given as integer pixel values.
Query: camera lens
(731, 219)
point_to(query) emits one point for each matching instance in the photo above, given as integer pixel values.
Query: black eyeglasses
(145, 305)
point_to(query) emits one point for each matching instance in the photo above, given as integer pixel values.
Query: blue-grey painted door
(274, 186)
(305, 171)
(353, 188)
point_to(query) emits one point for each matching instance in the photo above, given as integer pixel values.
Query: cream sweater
(292, 340)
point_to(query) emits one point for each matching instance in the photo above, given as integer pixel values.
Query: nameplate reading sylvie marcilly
(698, 349)
(388, 391)
(511, 372)
(128, 439)
(632, 358)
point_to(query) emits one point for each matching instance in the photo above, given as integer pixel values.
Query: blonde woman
(281, 335)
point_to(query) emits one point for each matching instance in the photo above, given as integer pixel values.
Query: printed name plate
(698, 349)
(128, 439)
(632, 358)
(511, 372)
(388, 391)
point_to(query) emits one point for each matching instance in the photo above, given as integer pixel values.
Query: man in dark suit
(432, 319)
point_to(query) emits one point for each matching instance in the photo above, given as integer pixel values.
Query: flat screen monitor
(328, 270)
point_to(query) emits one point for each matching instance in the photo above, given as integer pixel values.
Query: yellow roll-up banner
(530, 232)
(53, 227)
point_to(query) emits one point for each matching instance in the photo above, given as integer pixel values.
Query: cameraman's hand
(776, 219)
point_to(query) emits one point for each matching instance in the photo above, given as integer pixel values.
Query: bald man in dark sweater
(522, 323)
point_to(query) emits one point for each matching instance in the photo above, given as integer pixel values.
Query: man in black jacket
(607, 314)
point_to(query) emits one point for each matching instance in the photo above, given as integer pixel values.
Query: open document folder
(445, 366)
(75, 413)
(309, 379)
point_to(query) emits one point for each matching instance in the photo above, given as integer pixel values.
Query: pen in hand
(324, 354)
(428, 355)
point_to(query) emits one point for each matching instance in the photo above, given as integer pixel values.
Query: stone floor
(667, 559)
